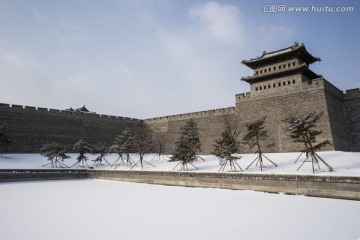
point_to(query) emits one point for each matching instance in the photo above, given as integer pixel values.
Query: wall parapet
(334, 90)
(352, 93)
(207, 113)
(243, 96)
(51, 111)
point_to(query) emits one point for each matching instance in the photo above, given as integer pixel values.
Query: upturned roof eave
(270, 56)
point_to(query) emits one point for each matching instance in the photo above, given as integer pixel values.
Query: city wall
(210, 125)
(352, 117)
(32, 127)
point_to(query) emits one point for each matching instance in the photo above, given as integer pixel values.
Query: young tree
(82, 147)
(224, 147)
(302, 130)
(255, 134)
(4, 139)
(55, 153)
(186, 145)
(231, 124)
(160, 141)
(142, 143)
(100, 149)
(123, 144)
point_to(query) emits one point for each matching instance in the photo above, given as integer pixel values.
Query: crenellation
(200, 114)
(40, 109)
(5, 105)
(30, 108)
(54, 110)
(352, 93)
(334, 90)
(14, 106)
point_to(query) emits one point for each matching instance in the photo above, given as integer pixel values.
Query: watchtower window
(274, 68)
(260, 71)
(284, 65)
(264, 87)
(293, 81)
(288, 82)
(256, 89)
(289, 65)
(279, 84)
(279, 67)
(260, 88)
(284, 83)
(269, 86)
(294, 64)
(269, 69)
(256, 72)
(265, 70)
(274, 85)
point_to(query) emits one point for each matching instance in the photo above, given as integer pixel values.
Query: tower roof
(298, 51)
(300, 69)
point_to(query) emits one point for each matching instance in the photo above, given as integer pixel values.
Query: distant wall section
(31, 127)
(210, 124)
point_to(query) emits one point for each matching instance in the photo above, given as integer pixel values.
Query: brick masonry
(31, 127)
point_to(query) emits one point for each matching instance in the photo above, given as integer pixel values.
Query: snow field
(94, 209)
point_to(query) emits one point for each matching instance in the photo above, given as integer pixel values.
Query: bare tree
(231, 125)
(142, 143)
(302, 130)
(160, 141)
(256, 133)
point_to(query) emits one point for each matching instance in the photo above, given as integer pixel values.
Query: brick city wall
(284, 102)
(31, 127)
(210, 124)
(352, 117)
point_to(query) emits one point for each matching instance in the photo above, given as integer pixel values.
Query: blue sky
(149, 58)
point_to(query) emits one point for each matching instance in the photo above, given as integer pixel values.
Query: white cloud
(221, 22)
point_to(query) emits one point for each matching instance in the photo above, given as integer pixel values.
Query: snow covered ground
(94, 209)
(344, 163)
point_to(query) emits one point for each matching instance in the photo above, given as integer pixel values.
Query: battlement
(334, 90)
(242, 95)
(201, 114)
(54, 112)
(352, 93)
